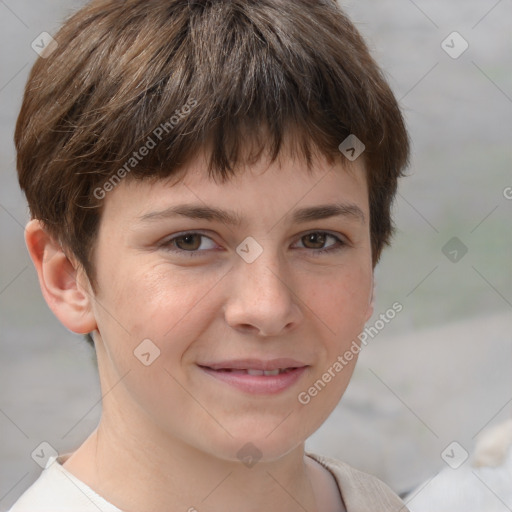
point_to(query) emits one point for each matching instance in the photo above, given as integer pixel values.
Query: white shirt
(57, 490)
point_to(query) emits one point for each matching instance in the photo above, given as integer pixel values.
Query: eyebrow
(209, 213)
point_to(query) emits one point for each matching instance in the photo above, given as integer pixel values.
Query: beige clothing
(360, 491)
(57, 490)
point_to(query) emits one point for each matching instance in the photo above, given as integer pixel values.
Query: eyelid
(167, 241)
(341, 241)
(340, 236)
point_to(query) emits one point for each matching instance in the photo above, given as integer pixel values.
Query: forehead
(263, 189)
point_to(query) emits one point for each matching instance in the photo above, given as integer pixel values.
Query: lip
(255, 364)
(257, 384)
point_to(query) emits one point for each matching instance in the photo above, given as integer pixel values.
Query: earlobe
(59, 279)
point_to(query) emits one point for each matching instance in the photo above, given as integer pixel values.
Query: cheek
(340, 307)
(342, 302)
(153, 316)
(167, 306)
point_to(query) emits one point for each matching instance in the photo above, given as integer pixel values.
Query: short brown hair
(255, 70)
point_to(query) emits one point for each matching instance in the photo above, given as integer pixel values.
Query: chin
(273, 440)
(249, 445)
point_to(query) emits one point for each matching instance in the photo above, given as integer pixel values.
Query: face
(192, 299)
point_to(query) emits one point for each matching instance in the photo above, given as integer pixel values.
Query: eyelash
(340, 244)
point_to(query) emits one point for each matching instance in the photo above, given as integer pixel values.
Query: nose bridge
(264, 271)
(262, 294)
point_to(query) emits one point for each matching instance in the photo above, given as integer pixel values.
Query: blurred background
(440, 370)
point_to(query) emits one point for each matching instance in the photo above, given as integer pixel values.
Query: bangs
(180, 95)
(136, 89)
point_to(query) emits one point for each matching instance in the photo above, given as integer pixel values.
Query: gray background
(440, 371)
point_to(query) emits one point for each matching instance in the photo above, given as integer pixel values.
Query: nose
(262, 299)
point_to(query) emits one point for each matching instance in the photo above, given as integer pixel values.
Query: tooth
(255, 372)
(263, 372)
(250, 371)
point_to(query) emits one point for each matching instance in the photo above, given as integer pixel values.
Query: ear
(371, 301)
(64, 285)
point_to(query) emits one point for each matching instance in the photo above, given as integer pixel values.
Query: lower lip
(258, 384)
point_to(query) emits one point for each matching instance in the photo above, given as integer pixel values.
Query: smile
(256, 381)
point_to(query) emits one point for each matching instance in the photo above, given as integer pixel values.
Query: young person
(210, 184)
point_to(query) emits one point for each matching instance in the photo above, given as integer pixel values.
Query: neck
(155, 473)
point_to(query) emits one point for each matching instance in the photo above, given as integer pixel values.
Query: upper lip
(255, 364)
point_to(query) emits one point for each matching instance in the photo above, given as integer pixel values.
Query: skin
(169, 433)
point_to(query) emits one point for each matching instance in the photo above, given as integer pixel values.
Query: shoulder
(57, 490)
(360, 491)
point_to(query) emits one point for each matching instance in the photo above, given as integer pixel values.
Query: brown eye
(190, 242)
(316, 239)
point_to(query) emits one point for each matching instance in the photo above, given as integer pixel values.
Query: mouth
(256, 376)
